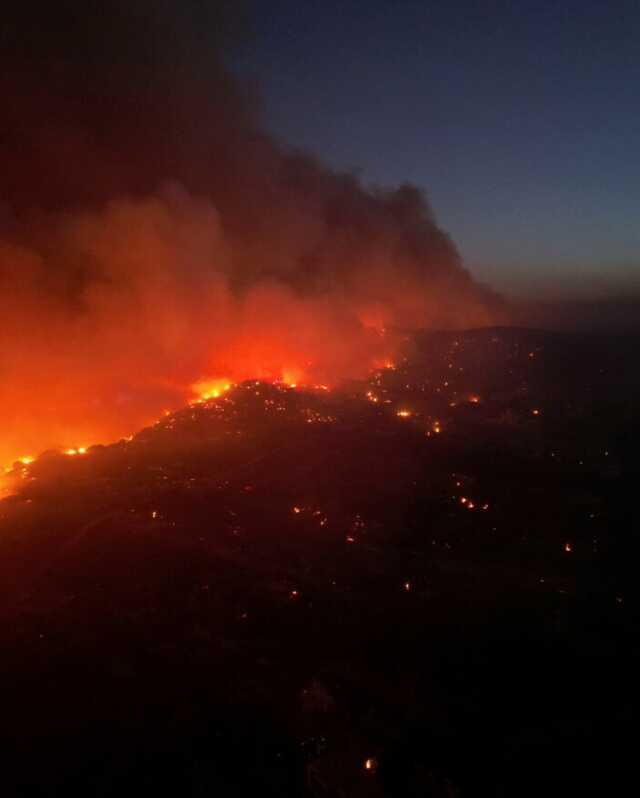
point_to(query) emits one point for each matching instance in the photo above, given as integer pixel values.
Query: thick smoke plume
(152, 235)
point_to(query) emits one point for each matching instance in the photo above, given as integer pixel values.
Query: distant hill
(621, 315)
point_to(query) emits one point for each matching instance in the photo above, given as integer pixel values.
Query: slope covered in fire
(153, 233)
(420, 583)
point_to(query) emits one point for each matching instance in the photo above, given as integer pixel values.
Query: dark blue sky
(520, 120)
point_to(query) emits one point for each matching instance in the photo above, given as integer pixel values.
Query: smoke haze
(152, 235)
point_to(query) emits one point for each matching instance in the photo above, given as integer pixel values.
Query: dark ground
(260, 593)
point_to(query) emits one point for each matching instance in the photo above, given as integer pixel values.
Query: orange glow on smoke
(156, 321)
(170, 257)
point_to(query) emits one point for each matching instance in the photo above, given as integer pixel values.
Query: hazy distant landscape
(616, 315)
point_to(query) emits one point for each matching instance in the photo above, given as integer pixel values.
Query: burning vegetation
(325, 583)
(261, 515)
(167, 253)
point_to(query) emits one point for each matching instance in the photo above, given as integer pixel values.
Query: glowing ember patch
(26, 460)
(403, 413)
(211, 389)
(74, 452)
(370, 765)
(407, 586)
(535, 412)
(291, 378)
(568, 547)
(474, 400)
(297, 510)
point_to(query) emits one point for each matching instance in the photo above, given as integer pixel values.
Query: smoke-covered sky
(521, 119)
(153, 234)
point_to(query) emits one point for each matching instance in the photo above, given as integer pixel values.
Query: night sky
(519, 120)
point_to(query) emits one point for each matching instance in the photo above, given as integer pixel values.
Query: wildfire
(211, 389)
(261, 366)
(204, 390)
(291, 377)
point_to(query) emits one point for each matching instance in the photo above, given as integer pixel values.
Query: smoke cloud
(152, 235)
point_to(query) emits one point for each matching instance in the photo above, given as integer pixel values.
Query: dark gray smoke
(152, 233)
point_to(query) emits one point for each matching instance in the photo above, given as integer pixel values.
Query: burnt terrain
(419, 585)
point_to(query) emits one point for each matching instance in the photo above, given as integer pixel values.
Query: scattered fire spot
(74, 452)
